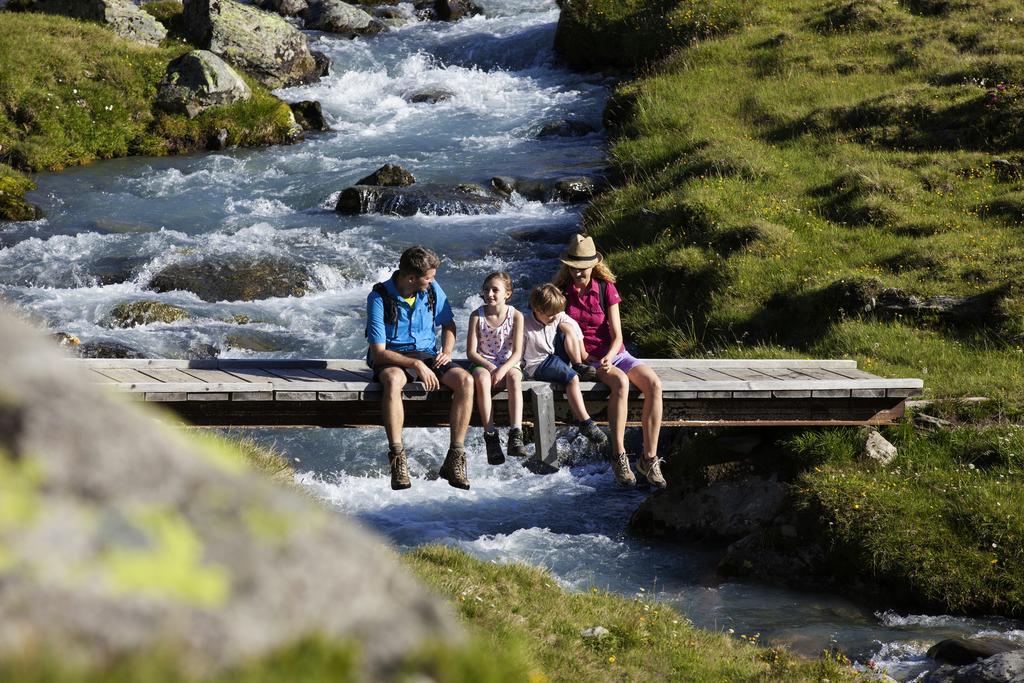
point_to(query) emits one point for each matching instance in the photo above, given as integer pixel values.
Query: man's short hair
(417, 261)
(547, 299)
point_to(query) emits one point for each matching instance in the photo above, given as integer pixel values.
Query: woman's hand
(606, 360)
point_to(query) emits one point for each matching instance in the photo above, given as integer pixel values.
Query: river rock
(389, 175)
(128, 538)
(252, 340)
(335, 16)
(323, 63)
(264, 44)
(453, 10)
(286, 8)
(429, 96)
(198, 80)
(573, 189)
(1007, 667)
(725, 510)
(565, 128)
(124, 17)
(134, 313)
(429, 200)
(568, 189)
(65, 339)
(309, 114)
(963, 651)
(234, 279)
(877, 448)
(107, 349)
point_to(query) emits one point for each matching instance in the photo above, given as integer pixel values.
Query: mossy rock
(251, 340)
(134, 313)
(233, 279)
(13, 206)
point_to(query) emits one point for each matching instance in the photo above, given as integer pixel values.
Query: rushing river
(135, 216)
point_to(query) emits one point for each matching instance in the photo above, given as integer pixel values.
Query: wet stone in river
(235, 279)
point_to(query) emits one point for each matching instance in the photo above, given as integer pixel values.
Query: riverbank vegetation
(843, 180)
(72, 93)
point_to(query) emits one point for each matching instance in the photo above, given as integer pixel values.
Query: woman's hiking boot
(651, 469)
(493, 445)
(399, 470)
(516, 447)
(454, 468)
(623, 474)
(593, 433)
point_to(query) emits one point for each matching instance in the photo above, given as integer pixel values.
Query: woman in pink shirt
(593, 302)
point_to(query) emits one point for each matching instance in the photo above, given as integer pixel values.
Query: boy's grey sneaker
(399, 470)
(516, 447)
(623, 474)
(651, 469)
(454, 468)
(587, 373)
(593, 433)
(493, 444)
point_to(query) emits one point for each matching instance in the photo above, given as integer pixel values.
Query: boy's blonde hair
(547, 299)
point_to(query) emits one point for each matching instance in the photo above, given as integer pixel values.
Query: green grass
(776, 178)
(72, 93)
(943, 525)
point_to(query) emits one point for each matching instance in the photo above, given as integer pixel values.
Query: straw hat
(581, 252)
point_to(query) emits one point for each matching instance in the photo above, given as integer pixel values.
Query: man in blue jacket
(402, 314)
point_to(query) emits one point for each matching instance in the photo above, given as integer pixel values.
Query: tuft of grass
(13, 186)
(522, 609)
(942, 527)
(71, 93)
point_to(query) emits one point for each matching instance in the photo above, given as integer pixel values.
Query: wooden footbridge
(342, 393)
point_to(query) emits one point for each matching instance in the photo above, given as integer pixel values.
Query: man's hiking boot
(593, 433)
(399, 470)
(587, 373)
(493, 444)
(620, 468)
(516, 447)
(454, 468)
(651, 469)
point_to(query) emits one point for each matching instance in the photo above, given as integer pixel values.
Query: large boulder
(389, 175)
(430, 200)
(133, 313)
(265, 45)
(1007, 667)
(198, 80)
(962, 651)
(120, 537)
(234, 279)
(335, 16)
(286, 8)
(453, 10)
(124, 17)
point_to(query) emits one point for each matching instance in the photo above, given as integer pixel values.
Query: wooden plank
(867, 393)
(830, 393)
(756, 363)
(166, 397)
(210, 396)
(542, 401)
(172, 376)
(823, 374)
(252, 396)
(213, 376)
(791, 394)
(295, 396)
(902, 393)
(192, 388)
(745, 374)
(296, 375)
(713, 394)
(785, 374)
(125, 375)
(338, 396)
(707, 374)
(741, 394)
(338, 375)
(853, 373)
(253, 374)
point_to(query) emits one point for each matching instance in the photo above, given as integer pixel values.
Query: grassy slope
(72, 93)
(773, 179)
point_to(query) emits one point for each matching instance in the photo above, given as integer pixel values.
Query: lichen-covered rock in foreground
(123, 16)
(119, 536)
(268, 47)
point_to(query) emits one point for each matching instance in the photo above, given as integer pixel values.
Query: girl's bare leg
(514, 386)
(649, 383)
(618, 384)
(482, 378)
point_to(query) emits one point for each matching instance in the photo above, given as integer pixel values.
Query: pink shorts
(624, 361)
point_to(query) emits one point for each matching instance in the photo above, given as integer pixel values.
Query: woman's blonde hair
(547, 299)
(601, 271)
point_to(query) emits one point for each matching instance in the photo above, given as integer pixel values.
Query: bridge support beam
(543, 399)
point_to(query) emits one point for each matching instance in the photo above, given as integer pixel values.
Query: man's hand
(442, 358)
(427, 376)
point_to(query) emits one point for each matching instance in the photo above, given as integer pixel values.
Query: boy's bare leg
(618, 385)
(461, 384)
(575, 398)
(392, 380)
(574, 349)
(649, 383)
(514, 386)
(482, 384)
